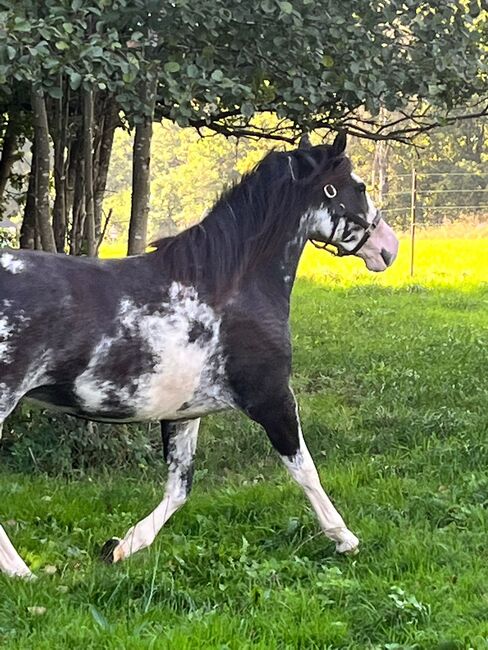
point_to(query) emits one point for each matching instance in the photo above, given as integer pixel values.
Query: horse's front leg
(279, 417)
(180, 441)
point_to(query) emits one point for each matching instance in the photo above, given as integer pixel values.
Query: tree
(222, 63)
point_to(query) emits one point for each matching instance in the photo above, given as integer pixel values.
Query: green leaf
(96, 51)
(62, 45)
(286, 7)
(75, 80)
(55, 92)
(268, 6)
(327, 61)
(247, 109)
(99, 618)
(21, 25)
(217, 75)
(171, 66)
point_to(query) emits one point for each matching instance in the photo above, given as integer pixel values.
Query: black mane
(251, 221)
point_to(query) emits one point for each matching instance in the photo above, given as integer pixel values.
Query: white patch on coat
(11, 264)
(9, 325)
(319, 223)
(35, 376)
(179, 374)
(6, 331)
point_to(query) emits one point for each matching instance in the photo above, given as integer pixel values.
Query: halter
(331, 192)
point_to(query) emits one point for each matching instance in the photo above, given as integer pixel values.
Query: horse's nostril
(387, 257)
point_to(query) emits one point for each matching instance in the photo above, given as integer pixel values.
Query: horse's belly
(173, 394)
(157, 363)
(149, 396)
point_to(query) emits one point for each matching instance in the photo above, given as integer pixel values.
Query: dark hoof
(107, 551)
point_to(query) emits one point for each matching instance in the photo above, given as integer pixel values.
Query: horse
(197, 325)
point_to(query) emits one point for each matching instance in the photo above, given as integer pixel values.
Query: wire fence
(419, 199)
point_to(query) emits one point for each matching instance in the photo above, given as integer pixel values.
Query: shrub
(38, 440)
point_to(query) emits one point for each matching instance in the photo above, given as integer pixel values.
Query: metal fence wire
(430, 198)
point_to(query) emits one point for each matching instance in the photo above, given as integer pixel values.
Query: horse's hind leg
(281, 422)
(180, 441)
(10, 561)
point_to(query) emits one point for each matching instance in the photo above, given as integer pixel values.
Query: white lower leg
(144, 532)
(182, 451)
(303, 470)
(10, 561)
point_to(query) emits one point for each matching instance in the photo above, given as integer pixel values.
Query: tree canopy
(72, 72)
(219, 62)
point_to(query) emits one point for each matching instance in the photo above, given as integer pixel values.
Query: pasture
(391, 377)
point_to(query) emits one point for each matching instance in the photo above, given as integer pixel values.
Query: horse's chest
(159, 365)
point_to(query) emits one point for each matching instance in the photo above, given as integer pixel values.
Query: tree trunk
(91, 240)
(73, 164)
(59, 136)
(8, 153)
(380, 179)
(41, 136)
(141, 175)
(109, 122)
(28, 229)
(78, 201)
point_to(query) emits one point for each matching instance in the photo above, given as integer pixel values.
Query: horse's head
(342, 213)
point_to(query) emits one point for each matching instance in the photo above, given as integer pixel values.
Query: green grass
(393, 386)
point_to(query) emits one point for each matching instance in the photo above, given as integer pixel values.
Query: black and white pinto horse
(196, 326)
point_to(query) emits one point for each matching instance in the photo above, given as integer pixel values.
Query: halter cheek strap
(331, 192)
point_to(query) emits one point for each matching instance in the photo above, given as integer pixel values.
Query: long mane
(251, 221)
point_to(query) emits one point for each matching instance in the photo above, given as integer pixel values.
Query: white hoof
(348, 544)
(23, 573)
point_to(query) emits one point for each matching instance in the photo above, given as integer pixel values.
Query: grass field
(392, 379)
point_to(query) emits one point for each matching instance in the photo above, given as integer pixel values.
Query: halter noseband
(331, 192)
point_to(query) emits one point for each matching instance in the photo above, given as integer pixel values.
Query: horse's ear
(305, 142)
(339, 144)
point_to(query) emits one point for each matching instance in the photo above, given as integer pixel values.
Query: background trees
(73, 73)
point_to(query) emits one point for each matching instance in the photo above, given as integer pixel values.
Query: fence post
(413, 219)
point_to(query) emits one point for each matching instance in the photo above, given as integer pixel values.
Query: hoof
(349, 545)
(108, 552)
(23, 575)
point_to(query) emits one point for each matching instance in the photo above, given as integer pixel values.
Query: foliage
(31, 435)
(7, 237)
(310, 63)
(89, 68)
(397, 422)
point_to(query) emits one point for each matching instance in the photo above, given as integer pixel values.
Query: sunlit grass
(437, 261)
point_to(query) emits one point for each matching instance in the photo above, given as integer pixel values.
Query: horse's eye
(362, 188)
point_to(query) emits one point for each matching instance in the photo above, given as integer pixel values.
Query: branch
(104, 231)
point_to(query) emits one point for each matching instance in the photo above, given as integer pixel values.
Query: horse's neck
(282, 269)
